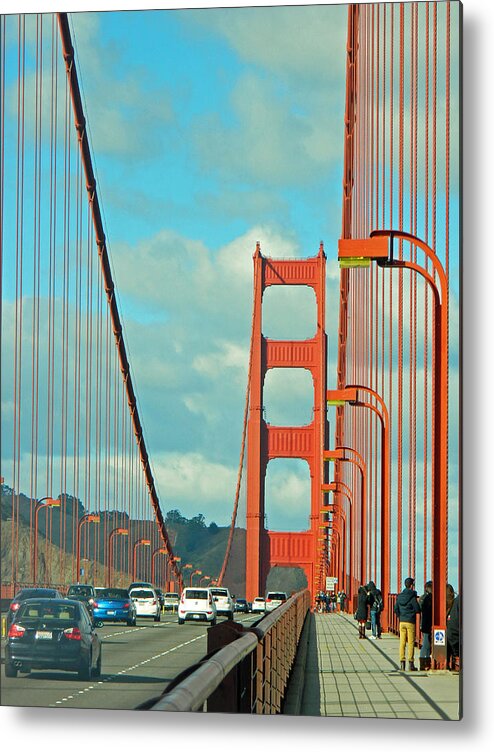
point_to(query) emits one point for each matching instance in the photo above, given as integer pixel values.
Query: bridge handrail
(256, 664)
(192, 692)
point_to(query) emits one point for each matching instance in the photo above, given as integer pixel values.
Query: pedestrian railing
(246, 670)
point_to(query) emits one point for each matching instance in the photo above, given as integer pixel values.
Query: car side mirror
(234, 596)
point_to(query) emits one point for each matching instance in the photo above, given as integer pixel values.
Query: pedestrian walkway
(344, 676)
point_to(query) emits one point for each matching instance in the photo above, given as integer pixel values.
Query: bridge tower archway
(266, 548)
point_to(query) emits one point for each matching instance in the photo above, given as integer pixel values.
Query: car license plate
(40, 635)
(196, 616)
(111, 613)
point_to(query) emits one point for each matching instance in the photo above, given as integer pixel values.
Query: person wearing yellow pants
(406, 608)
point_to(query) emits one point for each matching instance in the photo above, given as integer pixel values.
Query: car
(242, 605)
(171, 602)
(134, 585)
(196, 604)
(84, 593)
(223, 601)
(161, 597)
(146, 602)
(275, 599)
(114, 604)
(25, 593)
(53, 633)
(258, 605)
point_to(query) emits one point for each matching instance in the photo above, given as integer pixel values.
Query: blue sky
(210, 130)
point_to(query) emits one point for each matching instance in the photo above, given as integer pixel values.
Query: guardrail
(246, 670)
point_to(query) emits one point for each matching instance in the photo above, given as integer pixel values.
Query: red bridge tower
(266, 548)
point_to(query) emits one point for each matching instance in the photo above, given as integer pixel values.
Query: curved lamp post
(379, 247)
(85, 519)
(338, 454)
(153, 557)
(204, 577)
(346, 491)
(42, 503)
(196, 571)
(140, 542)
(350, 394)
(113, 533)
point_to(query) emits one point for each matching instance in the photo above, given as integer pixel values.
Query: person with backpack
(406, 609)
(375, 612)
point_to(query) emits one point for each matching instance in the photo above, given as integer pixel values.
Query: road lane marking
(112, 677)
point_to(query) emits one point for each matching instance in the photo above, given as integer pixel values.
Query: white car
(258, 605)
(146, 602)
(196, 604)
(171, 601)
(275, 599)
(223, 601)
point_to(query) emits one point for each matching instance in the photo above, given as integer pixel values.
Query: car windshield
(113, 594)
(83, 590)
(142, 594)
(259, 600)
(42, 610)
(220, 591)
(171, 595)
(196, 594)
(277, 596)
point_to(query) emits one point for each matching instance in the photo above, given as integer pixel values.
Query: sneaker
(372, 637)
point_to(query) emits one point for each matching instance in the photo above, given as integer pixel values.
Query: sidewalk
(345, 676)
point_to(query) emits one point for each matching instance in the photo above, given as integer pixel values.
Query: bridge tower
(266, 548)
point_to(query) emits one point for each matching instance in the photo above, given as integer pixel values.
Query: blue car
(114, 604)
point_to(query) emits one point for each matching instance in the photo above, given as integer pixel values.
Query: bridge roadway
(137, 664)
(336, 674)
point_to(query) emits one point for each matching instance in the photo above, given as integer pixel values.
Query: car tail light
(72, 633)
(154, 603)
(95, 604)
(16, 631)
(268, 600)
(182, 598)
(126, 604)
(14, 606)
(209, 613)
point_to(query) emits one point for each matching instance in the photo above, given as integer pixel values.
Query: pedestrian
(450, 596)
(361, 614)
(425, 603)
(376, 607)
(453, 634)
(406, 608)
(343, 600)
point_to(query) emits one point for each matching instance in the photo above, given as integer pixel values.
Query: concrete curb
(296, 683)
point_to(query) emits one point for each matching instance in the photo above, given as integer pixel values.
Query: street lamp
(44, 502)
(336, 509)
(380, 248)
(350, 394)
(140, 542)
(338, 454)
(113, 533)
(86, 518)
(153, 557)
(204, 577)
(196, 571)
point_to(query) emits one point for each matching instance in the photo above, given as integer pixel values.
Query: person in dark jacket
(406, 608)
(375, 612)
(362, 606)
(425, 603)
(453, 634)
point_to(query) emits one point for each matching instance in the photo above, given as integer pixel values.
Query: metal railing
(246, 670)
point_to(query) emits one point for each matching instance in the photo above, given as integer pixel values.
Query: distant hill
(202, 546)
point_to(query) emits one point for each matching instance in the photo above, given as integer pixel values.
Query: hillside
(195, 543)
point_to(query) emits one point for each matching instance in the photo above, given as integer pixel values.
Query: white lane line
(131, 668)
